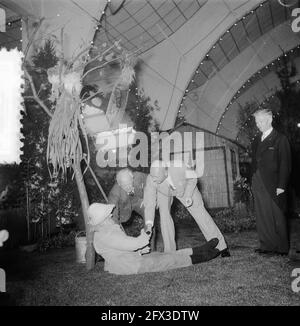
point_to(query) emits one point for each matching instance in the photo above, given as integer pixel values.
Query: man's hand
(144, 250)
(188, 202)
(145, 238)
(279, 191)
(148, 229)
(3, 236)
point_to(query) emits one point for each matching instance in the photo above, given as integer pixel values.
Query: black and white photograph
(149, 155)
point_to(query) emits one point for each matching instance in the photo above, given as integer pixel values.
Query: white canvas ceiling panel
(279, 13)
(177, 23)
(189, 8)
(173, 15)
(197, 114)
(264, 19)
(229, 127)
(218, 57)
(134, 6)
(238, 33)
(147, 15)
(229, 46)
(252, 29)
(135, 32)
(166, 8)
(118, 19)
(127, 25)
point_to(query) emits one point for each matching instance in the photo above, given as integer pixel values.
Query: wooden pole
(96, 180)
(90, 251)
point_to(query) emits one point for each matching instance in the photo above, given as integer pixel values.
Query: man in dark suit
(127, 195)
(271, 164)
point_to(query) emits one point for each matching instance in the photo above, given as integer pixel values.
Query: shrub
(60, 240)
(228, 219)
(231, 220)
(242, 192)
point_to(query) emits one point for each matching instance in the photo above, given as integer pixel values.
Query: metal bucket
(80, 247)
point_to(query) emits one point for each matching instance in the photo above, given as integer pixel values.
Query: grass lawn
(54, 278)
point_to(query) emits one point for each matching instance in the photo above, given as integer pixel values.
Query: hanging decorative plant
(64, 146)
(67, 143)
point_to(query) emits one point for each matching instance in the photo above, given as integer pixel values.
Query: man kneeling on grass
(125, 255)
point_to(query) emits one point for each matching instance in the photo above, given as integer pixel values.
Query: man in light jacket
(125, 255)
(169, 179)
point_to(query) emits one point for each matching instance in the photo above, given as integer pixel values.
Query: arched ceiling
(241, 35)
(259, 89)
(234, 65)
(239, 68)
(220, 48)
(249, 77)
(142, 24)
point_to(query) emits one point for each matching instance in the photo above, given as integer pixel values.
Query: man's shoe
(225, 253)
(205, 256)
(211, 244)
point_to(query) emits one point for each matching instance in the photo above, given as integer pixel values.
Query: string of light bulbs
(213, 47)
(252, 12)
(99, 23)
(249, 81)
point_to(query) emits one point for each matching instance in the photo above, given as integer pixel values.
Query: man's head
(99, 213)
(263, 119)
(125, 180)
(158, 171)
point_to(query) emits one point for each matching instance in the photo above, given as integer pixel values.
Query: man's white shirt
(170, 182)
(266, 134)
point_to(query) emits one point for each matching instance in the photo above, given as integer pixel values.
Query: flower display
(242, 191)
